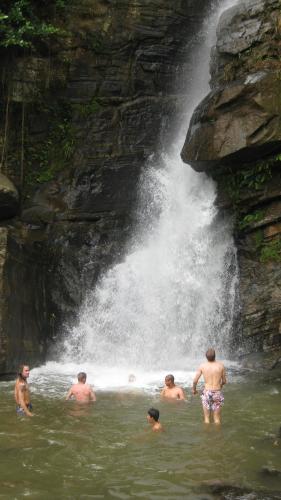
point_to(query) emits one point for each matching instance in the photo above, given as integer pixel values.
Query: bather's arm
(195, 380)
(223, 377)
(69, 394)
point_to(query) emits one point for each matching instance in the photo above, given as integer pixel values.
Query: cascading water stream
(174, 293)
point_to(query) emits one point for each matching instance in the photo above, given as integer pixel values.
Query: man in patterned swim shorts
(214, 377)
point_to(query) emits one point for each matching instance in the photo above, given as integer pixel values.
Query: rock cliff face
(79, 119)
(235, 136)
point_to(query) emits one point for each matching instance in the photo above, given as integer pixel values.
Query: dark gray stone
(235, 124)
(226, 491)
(268, 470)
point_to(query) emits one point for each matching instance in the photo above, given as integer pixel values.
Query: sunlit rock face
(238, 123)
(117, 75)
(240, 119)
(235, 136)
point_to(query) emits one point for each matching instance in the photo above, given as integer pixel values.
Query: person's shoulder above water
(157, 427)
(171, 390)
(81, 391)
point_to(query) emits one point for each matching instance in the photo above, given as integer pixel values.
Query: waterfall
(173, 295)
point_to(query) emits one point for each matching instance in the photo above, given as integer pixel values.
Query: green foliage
(85, 110)
(61, 4)
(277, 157)
(258, 237)
(23, 22)
(250, 219)
(271, 251)
(253, 178)
(48, 157)
(97, 42)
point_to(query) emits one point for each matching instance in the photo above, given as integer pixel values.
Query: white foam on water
(54, 379)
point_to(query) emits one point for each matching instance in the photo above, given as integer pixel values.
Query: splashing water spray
(173, 295)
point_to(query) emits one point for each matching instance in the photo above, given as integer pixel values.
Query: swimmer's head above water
(82, 377)
(170, 380)
(132, 378)
(153, 414)
(153, 420)
(23, 372)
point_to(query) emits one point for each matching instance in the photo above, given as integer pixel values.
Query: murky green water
(107, 451)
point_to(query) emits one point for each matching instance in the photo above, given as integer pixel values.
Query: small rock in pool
(268, 470)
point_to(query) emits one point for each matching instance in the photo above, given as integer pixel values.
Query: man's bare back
(81, 391)
(213, 374)
(214, 377)
(172, 391)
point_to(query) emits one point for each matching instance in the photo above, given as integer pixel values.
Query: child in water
(153, 420)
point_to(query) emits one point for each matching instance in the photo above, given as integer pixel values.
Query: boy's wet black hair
(154, 413)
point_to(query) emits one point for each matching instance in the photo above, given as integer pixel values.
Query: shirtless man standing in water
(81, 391)
(214, 377)
(22, 394)
(172, 391)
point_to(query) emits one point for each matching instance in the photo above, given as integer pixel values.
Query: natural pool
(106, 450)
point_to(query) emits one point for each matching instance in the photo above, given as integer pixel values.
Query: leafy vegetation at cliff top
(23, 22)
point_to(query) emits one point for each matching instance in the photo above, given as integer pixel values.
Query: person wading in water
(171, 390)
(22, 394)
(81, 391)
(214, 377)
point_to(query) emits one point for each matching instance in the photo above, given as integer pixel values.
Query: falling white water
(174, 293)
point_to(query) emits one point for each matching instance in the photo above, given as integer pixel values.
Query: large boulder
(240, 122)
(9, 198)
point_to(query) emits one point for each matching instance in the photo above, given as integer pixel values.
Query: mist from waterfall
(174, 293)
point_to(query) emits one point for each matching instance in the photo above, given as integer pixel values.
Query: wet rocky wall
(80, 115)
(235, 136)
